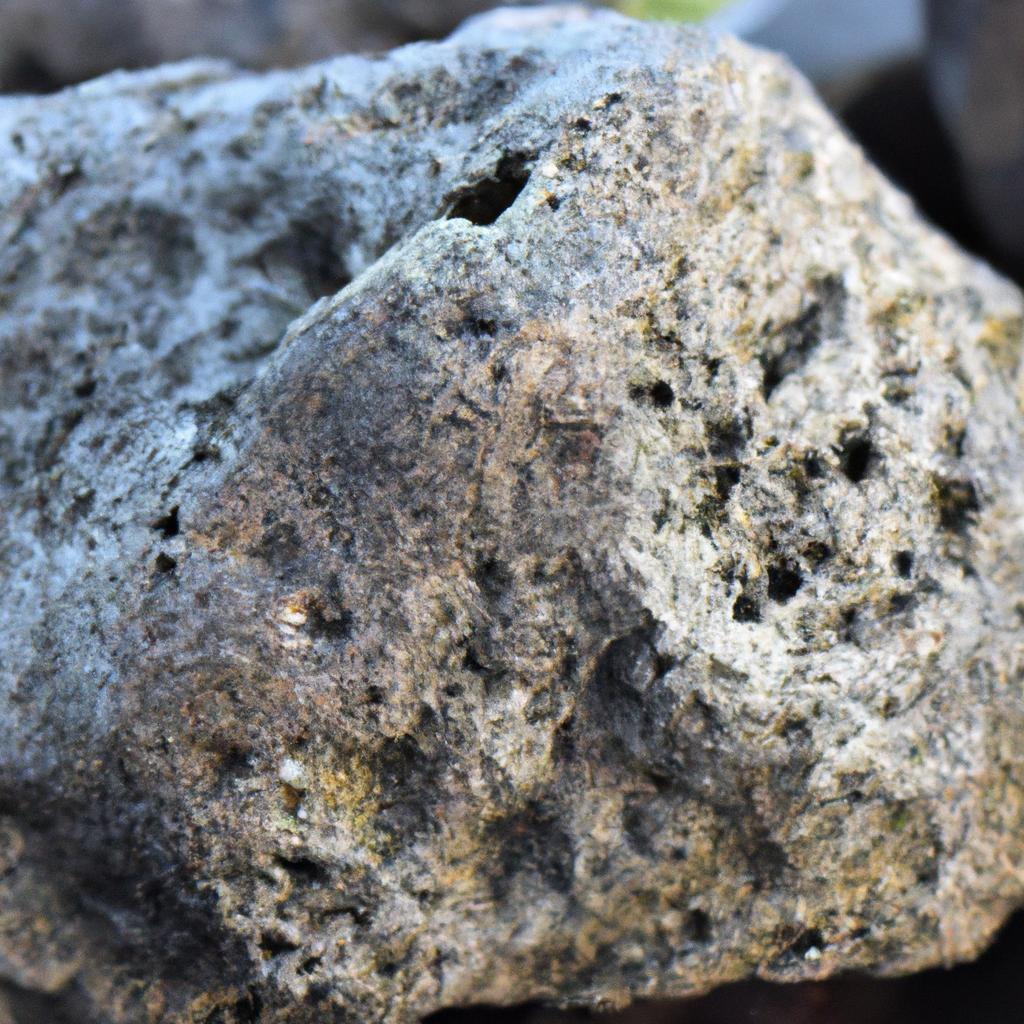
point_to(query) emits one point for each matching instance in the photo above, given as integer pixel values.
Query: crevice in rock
(484, 201)
(857, 456)
(167, 525)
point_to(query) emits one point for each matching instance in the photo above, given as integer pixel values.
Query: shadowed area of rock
(529, 517)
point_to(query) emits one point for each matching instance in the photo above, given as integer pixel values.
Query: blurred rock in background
(830, 41)
(45, 44)
(976, 73)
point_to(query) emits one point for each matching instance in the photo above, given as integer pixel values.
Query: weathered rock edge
(610, 585)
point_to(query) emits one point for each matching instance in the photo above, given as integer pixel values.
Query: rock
(976, 67)
(530, 517)
(48, 43)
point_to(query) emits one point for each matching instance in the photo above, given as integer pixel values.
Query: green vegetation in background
(669, 10)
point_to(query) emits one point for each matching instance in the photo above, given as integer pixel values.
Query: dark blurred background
(933, 89)
(990, 991)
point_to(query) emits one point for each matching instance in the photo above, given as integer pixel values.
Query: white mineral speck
(292, 773)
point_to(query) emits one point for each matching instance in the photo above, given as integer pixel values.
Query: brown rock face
(608, 585)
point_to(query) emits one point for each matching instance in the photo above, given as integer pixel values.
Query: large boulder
(534, 516)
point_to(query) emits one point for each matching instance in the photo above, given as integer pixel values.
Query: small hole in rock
(806, 941)
(304, 870)
(661, 394)
(205, 452)
(274, 945)
(895, 392)
(726, 478)
(247, 1009)
(726, 437)
(746, 609)
(481, 327)
(856, 457)
(329, 623)
(813, 467)
(472, 663)
(784, 580)
(164, 563)
(308, 966)
(955, 438)
(817, 552)
(234, 760)
(848, 626)
(485, 201)
(317, 994)
(168, 524)
(794, 729)
(493, 578)
(86, 388)
(957, 502)
(698, 926)
(903, 563)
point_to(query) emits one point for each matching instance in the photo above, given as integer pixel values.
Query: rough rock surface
(609, 584)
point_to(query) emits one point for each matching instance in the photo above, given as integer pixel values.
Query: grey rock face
(535, 516)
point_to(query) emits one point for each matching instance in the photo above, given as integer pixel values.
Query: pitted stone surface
(530, 517)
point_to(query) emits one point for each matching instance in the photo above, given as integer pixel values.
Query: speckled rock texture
(530, 517)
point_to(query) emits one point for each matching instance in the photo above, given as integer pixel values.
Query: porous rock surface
(535, 516)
